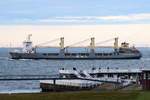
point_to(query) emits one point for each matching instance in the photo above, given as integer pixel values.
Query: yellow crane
(92, 44)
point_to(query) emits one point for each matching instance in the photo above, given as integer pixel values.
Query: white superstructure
(27, 45)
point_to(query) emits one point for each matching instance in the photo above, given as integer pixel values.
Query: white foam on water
(20, 91)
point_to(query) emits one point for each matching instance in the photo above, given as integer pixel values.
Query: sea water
(51, 67)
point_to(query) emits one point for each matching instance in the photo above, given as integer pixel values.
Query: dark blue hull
(14, 55)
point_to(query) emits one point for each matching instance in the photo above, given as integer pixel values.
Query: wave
(20, 91)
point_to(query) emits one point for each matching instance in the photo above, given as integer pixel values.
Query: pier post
(54, 83)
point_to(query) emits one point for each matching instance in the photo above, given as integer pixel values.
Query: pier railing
(54, 78)
(74, 82)
(26, 77)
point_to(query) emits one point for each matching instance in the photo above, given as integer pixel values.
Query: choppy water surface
(50, 67)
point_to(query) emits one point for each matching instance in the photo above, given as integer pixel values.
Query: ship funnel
(62, 43)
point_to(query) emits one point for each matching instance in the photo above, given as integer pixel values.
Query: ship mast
(116, 46)
(61, 43)
(62, 48)
(92, 45)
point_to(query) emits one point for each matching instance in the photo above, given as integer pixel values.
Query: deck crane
(92, 45)
(73, 45)
(105, 41)
(47, 42)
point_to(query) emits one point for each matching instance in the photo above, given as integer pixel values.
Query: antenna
(29, 37)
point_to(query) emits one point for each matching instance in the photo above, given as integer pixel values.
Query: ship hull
(14, 55)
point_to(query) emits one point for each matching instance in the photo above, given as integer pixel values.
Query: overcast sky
(131, 16)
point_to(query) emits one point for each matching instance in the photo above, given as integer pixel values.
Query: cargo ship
(119, 52)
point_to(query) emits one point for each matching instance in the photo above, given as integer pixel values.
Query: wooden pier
(54, 86)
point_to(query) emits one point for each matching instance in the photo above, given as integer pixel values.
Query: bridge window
(110, 75)
(100, 75)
